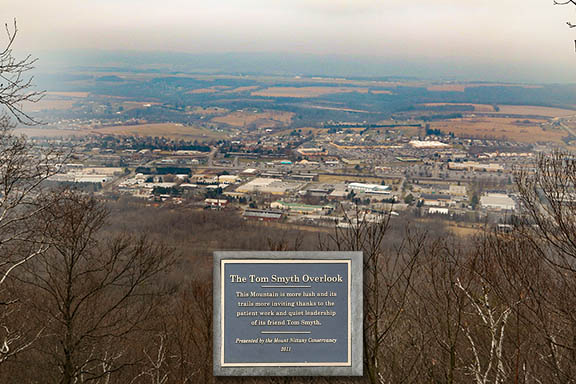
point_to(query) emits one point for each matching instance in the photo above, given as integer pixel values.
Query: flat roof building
(499, 201)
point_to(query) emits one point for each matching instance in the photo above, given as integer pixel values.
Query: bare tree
(16, 87)
(22, 199)
(387, 276)
(437, 312)
(187, 337)
(539, 330)
(92, 294)
(23, 170)
(487, 366)
(569, 23)
(548, 196)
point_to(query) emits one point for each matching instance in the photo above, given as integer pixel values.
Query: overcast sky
(520, 32)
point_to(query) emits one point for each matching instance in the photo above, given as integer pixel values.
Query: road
(571, 131)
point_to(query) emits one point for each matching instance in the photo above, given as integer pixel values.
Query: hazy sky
(520, 32)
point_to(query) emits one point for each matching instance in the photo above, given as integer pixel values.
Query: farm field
(50, 132)
(500, 128)
(526, 110)
(335, 108)
(305, 130)
(203, 90)
(535, 111)
(477, 107)
(242, 89)
(68, 94)
(265, 119)
(461, 87)
(170, 130)
(129, 105)
(50, 103)
(305, 92)
(209, 111)
(56, 101)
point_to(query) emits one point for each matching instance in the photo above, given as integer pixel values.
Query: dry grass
(203, 90)
(55, 101)
(461, 231)
(49, 103)
(171, 130)
(315, 131)
(477, 107)
(129, 105)
(458, 230)
(265, 119)
(500, 128)
(242, 89)
(512, 109)
(209, 111)
(50, 132)
(305, 92)
(69, 94)
(461, 87)
(336, 109)
(535, 111)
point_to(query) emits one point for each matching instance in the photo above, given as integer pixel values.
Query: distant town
(304, 151)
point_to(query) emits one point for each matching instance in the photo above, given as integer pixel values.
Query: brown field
(305, 92)
(266, 119)
(461, 87)
(336, 109)
(128, 105)
(164, 129)
(171, 130)
(242, 89)
(315, 131)
(513, 109)
(535, 111)
(477, 107)
(203, 90)
(49, 103)
(462, 231)
(500, 128)
(68, 94)
(50, 132)
(55, 101)
(457, 229)
(209, 111)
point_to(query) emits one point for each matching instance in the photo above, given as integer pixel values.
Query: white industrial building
(499, 201)
(428, 144)
(269, 185)
(373, 188)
